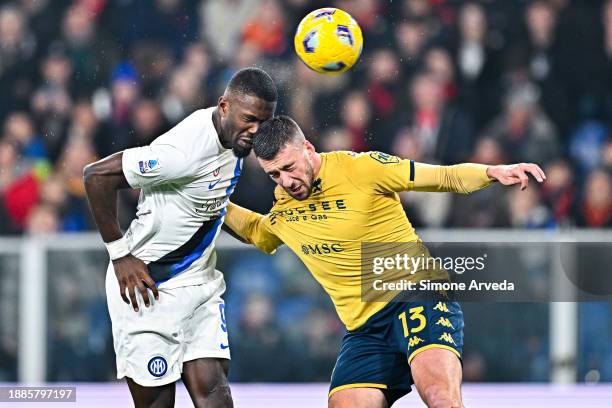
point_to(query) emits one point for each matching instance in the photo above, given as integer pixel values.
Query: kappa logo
(441, 306)
(147, 165)
(157, 366)
(415, 341)
(447, 338)
(384, 158)
(316, 186)
(443, 321)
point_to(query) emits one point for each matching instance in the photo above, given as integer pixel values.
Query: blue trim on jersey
(237, 171)
(197, 252)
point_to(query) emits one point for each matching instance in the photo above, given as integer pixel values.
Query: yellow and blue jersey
(354, 200)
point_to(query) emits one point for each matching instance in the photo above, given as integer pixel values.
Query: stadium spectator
(17, 51)
(77, 154)
(586, 145)
(476, 211)
(411, 37)
(91, 54)
(183, 95)
(52, 102)
(442, 130)
(438, 62)
(383, 83)
(477, 65)
(558, 191)
(356, 115)
(527, 211)
(125, 90)
(147, 122)
(606, 155)
(42, 219)
(222, 22)
(523, 130)
(604, 65)
(266, 30)
(595, 208)
(19, 129)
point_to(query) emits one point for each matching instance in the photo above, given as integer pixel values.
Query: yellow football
(328, 40)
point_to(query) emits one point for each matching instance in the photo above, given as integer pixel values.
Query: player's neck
(316, 164)
(216, 120)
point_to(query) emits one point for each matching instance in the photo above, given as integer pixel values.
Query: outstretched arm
(251, 227)
(389, 174)
(468, 177)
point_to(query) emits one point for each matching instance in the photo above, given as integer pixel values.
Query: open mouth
(245, 141)
(296, 189)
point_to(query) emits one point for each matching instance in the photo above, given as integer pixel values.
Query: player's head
(249, 99)
(285, 154)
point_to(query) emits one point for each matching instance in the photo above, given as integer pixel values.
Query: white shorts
(186, 323)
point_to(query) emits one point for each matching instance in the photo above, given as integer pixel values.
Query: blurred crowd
(439, 81)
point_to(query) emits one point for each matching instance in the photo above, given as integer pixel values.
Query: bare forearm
(102, 181)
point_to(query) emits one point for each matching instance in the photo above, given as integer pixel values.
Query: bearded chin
(310, 177)
(240, 151)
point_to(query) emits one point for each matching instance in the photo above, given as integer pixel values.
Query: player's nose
(253, 128)
(286, 181)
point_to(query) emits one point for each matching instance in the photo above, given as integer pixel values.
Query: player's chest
(341, 216)
(214, 182)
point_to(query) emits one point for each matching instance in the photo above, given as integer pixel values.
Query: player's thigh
(206, 379)
(437, 373)
(358, 398)
(369, 364)
(149, 344)
(205, 330)
(152, 397)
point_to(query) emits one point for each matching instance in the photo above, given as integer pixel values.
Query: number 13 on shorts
(416, 315)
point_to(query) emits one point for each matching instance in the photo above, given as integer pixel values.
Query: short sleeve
(382, 172)
(167, 159)
(154, 165)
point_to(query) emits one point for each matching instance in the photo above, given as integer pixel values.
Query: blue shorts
(378, 354)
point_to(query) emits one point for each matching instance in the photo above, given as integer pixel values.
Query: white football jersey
(186, 177)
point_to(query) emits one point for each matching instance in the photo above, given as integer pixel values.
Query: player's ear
(309, 147)
(223, 105)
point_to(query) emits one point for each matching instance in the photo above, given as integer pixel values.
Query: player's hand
(512, 174)
(133, 274)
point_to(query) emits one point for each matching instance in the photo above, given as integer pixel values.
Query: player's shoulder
(193, 134)
(341, 159)
(280, 197)
(350, 158)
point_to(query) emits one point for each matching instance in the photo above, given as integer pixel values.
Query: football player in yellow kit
(329, 204)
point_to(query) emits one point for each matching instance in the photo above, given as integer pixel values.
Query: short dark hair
(273, 135)
(255, 82)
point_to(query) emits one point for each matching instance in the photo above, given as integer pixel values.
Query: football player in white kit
(166, 259)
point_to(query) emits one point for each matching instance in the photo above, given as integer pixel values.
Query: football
(328, 40)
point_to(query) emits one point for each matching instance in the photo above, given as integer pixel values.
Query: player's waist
(164, 263)
(357, 304)
(379, 316)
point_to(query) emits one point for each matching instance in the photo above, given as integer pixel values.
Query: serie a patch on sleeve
(146, 166)
(384, 158)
